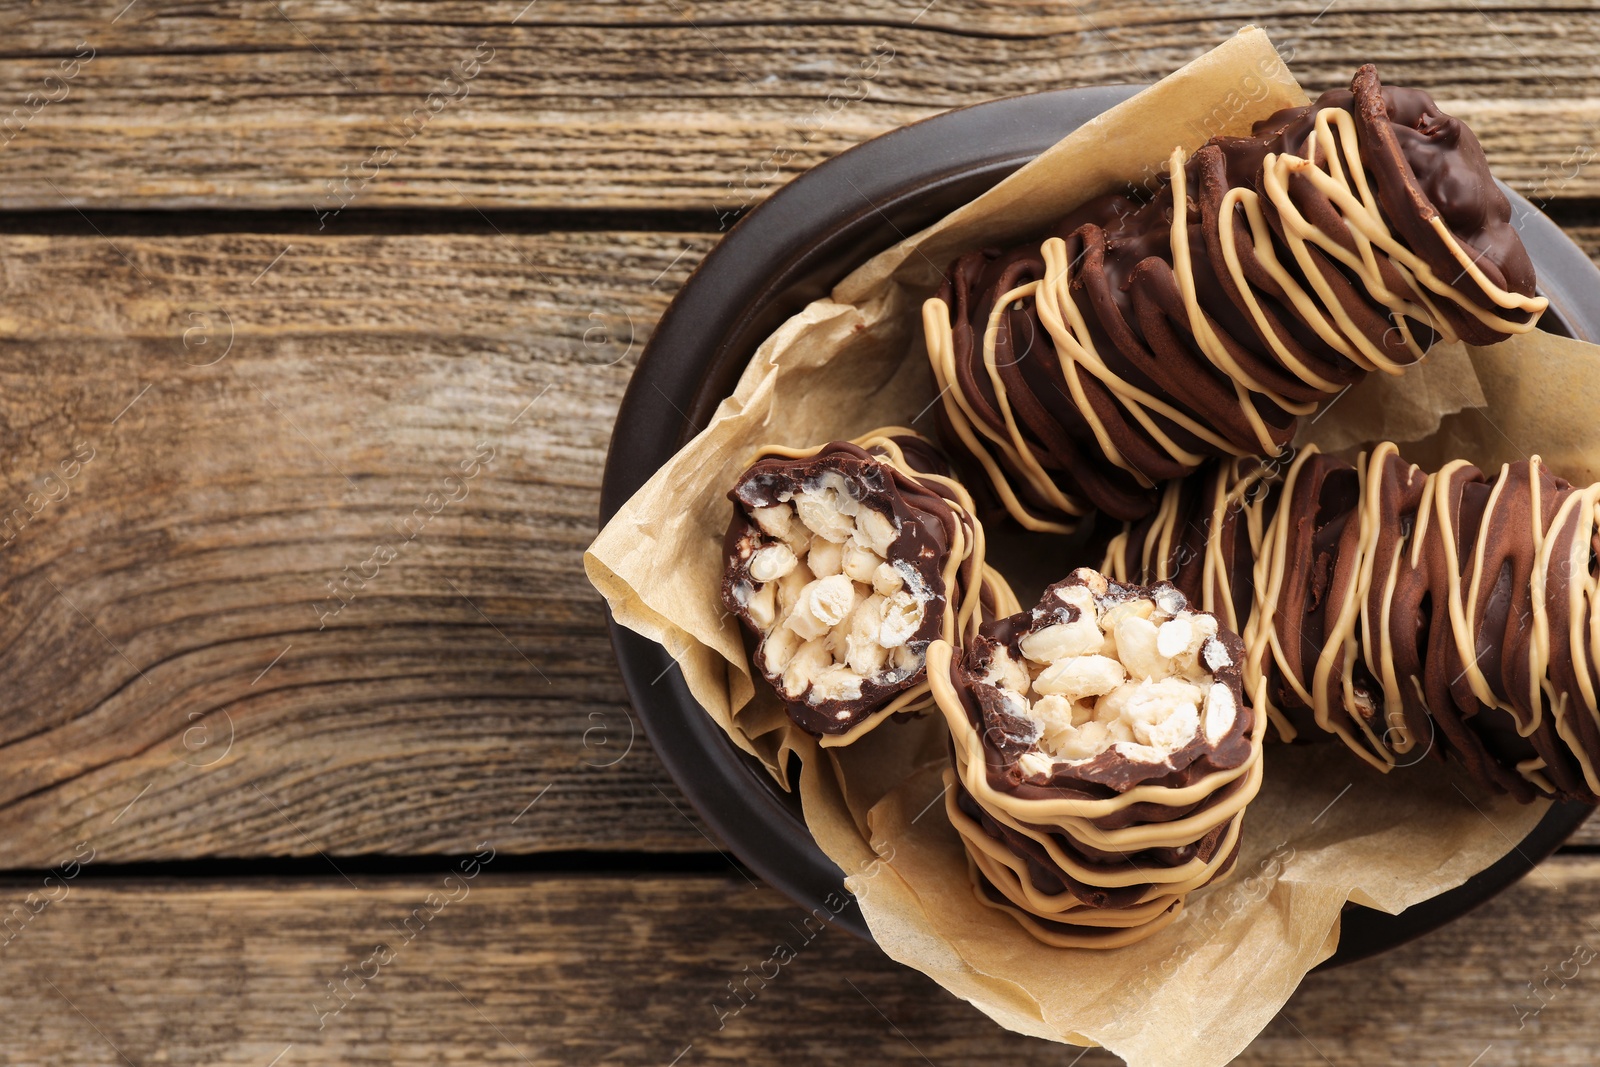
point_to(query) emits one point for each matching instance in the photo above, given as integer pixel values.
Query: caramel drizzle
(968, 544)
(1071, 923)
(970, 428)
(1353, 630)
(1341, 178)
(1038, 818)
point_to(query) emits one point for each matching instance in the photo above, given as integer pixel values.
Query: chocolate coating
(1216, 346)
(1408, 613)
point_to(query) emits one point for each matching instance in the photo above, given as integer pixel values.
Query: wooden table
(302, 447)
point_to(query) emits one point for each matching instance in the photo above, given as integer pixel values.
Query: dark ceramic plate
(792, 250)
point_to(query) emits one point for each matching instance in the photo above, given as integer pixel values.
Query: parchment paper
(1542, 389)
(1403, 408)
(1199, 991)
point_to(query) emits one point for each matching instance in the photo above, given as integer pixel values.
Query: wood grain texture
(592, 970)
(200, 433)
(168, 629)
(704, 106)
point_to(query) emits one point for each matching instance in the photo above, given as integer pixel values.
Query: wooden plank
(1587, 835)
(566, 970)
(170, 531)
(665, 105)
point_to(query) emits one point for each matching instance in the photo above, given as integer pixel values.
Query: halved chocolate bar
(844, 562)
(1103, 751)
